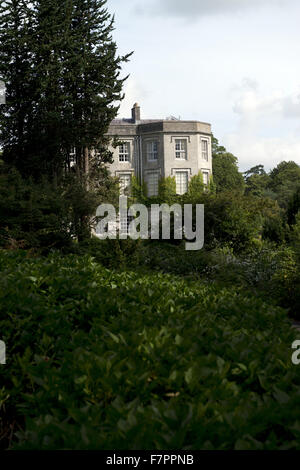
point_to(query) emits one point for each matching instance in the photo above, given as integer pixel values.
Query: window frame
(124, 156)
(152, 152)
(207, 173)
(185, 172)
(181, 151)
(204, 153)
(155, 185)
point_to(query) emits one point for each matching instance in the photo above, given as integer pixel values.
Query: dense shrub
(31, 214)
(112, 253)
(98, 359)
(268, 271)
(230, 219)
(43, 215)
(274, 230)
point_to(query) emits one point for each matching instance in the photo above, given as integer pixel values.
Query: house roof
(125, 122)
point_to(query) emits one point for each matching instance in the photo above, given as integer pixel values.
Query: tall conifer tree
(64, 56)
(92, 80)
(15, 71)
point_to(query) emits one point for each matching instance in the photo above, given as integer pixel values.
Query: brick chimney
(136, 113)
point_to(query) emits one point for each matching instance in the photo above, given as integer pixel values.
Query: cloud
(134, 93)
(274, 105)
(291, 106)
(264, 135)
(253, 150)
(196, 8)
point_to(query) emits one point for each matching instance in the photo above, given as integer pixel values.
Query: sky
(232, 63)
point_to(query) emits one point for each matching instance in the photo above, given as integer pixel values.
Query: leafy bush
(112, 253)
(170, 258)
(196, 186)
(167, 190)
(268, 271)
(98, 359)
(43, 215)
(274, 230)
(230, 219)
(31, 214)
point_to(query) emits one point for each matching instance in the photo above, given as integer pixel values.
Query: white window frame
(152, 151)
(124, 152)
(181, 149)
(181, 191)
(204, 149)
(205, 172)
(152, 186)
(122, 186)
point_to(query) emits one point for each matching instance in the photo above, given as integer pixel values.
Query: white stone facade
(152, 149)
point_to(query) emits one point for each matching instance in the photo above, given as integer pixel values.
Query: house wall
(152, 166)
(165, 133)
(126, 133)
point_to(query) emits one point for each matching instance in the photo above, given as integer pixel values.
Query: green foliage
(231, 219)
(284, 181)
(256, 181)
(103, 360)
(15, 71)
(212, 187)
(138, 190)
(167, 189)
(255, 170)
(274, 230)
(295, 235)
(286, 281)
(225, 170)
(293, 207)
(196, 186)
(46, 215)
(117, 254)
(62, 72)
(173, 259)
(32, 215)
(268, 271)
